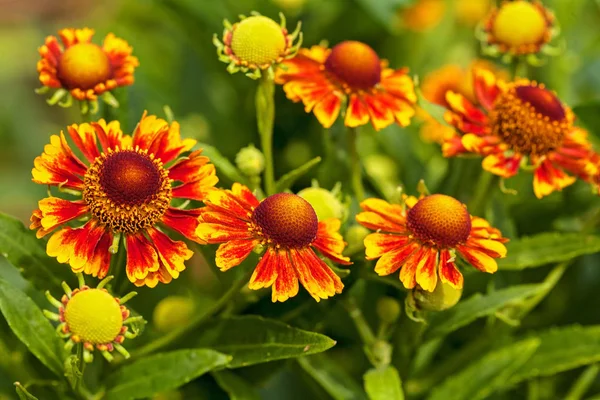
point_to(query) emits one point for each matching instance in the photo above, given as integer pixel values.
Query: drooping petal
(380, 113)
(233, 252)
(448, 272)
(316, 276)
(501, 165)
(379, 244)
(409, 269)
(329, 241)
(172, 254)
(478, 259)
(426, 274)
(203, 181)
(265, 272)
(328, 109)
(55, 211)
(394, 259)
(58, 166)
(357, 113)
(492, 248)
(183, 221)
(286, 283)
(487, 87)
(547, 179)
(459, 104)
(141, 258)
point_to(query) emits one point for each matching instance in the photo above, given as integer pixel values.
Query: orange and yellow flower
(423, 236)
(422, 15)
(83, 70)
(124, 190)
(517, 28)
(256, 44)
(287, 227)
(519, 124)
(324, 79)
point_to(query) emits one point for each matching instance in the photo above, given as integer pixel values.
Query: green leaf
(23, 393)
(31, 327)
(478, 306)
(23, 250)
(287, 180)
(223, 165)
(589, 114)
(561, 349)
(161, 372)
(547, 248)
(383, 384)
(487, 375)
(384, 10)
(235, 386)
(252, 340)
(336, 382)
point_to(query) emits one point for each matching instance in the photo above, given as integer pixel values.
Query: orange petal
(459, 104)
(379, 112)
(225, 201)
(141, 258)
(426, 274)
(501, 165)
(448, 272)
(244, 196)
(375, 222)
(399, 84)
(379, 244)
(171, 254)
(183, 221)
(391, 261)
(547, 178)
(329, 241)
(316, 276)
(72, 36)
(202, 181)
(58, 165)
(233, 252)
(492, 248)
(265, 272)
(409, 269)
(357, 113)
(110, 135)
(56, 211)
(394, 212)
(84, 137)
(217, 233)
(328, 109)
(286, 283)
(487, 89)
(478, 259)
(160, 138)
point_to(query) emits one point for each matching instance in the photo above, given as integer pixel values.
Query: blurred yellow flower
(470, 12)
(423, 15)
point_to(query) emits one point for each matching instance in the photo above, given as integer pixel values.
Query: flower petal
(56, 211)
(391, 261)
(160, 138)
(448, 272)
(183, 221)
(286, 283)
(233, 252)
(379, 244)
(357, 113)
(84, 137)
(329, 241)
(141, 258)
(487, 88)
(265, 272)
(409, 269)
(171, 254)
(328, 109)
(547, 178)
(478, 259)
(316, 276)
(426, 274)
(501, 165)
(204, 180)
(58, 165)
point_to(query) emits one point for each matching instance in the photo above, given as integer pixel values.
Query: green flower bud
(443, 297)
(250, 161)
(172, 313)
(325, 203)
(355, 236)
(388, 309)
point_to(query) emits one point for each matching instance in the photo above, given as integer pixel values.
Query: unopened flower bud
(325, 203)
(443, 297)
(388, 309)
(250, 161)
(355, 236)
(172, 313)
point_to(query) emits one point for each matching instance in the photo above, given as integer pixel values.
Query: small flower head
(94, 317)
(519, 124)
(423, 237)
(286, 227)
(352, 73)
(326, 203)
(124, 189)
(250, 161)
(256, 44)
(83, 70)
(518, 28)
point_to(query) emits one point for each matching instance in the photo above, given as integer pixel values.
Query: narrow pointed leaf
(31, 327)
(336, 382)
(287, 180)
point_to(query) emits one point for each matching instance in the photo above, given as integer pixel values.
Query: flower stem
(364, 330)
(583, 383)
(483, 193)
(355, 168)
(196, 322)
(265, 115)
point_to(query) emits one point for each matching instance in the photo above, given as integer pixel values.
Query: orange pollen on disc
(439, 220)
(355, 64)
(128, 190)
(530, 119)
(286, 220)
(83, 66)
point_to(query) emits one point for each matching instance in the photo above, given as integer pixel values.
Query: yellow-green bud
(250, 161)
(172, 313)
(355, 236)
(388, 309)
(443, 297)
(381, 167)
(325, 203)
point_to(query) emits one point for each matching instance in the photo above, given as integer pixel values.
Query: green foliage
(251, 340)
(383, 384)
(235, 386)
(546, 248)
(31, 327)
(161, 372)
(334, 379)
(589, 114)
(23, 250)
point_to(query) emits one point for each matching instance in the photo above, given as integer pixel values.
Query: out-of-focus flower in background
(422, 15)
(470, 12)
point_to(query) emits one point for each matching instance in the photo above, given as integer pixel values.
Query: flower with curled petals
(256, 44)
(287, 227)
(83, 70)
(519, 124)
(423, 236)
(124, 189)
(350, 73)
(518, 28)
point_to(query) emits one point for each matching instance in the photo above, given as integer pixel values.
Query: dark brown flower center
(355, 64)
(439, 220)
(286, 220)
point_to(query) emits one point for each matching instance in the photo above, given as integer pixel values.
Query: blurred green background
(179, 68)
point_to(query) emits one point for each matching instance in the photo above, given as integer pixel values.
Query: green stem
(583, 383)
(549, 283)
(196, 322)
(363, 328)
(265, 115)
(79, 385)
(355, 167)
(519, 68)
(483, 193)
